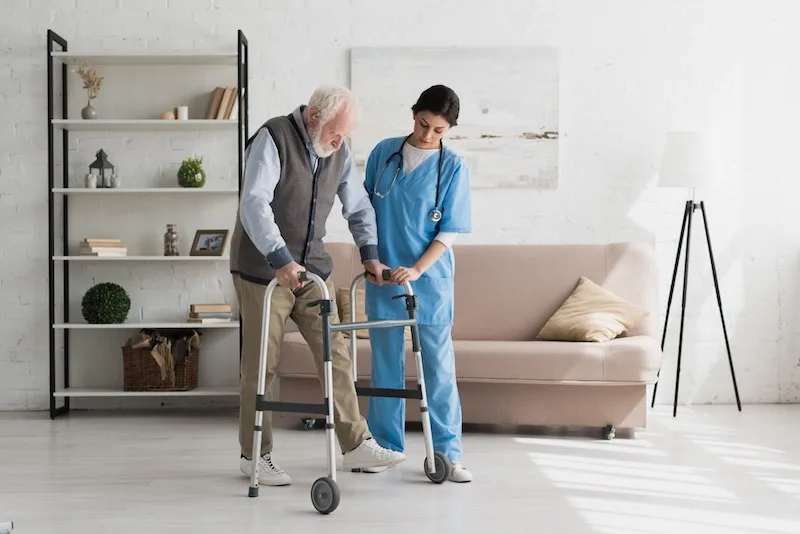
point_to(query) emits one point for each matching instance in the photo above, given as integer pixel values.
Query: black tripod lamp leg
(719, 304)
(683, 307)
(686, 210)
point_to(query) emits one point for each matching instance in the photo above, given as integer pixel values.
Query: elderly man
(295, 166)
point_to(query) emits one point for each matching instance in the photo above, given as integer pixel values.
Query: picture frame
(209, 243)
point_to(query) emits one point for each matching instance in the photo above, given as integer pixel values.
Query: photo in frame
(209, 243)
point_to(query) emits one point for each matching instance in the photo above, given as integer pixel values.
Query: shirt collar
(301, 125)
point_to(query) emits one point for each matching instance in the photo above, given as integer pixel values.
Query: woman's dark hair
(440, 100)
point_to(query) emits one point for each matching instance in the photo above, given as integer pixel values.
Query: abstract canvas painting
(508, 125)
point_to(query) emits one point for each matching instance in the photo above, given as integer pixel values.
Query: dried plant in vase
(92, 83)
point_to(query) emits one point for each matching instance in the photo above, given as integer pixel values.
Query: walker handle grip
(303, 276)
(386, 274)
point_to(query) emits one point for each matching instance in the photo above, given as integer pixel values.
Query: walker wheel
(325, 495)
(609, 432)
(444, 468)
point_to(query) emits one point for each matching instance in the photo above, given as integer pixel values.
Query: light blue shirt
(261, 173)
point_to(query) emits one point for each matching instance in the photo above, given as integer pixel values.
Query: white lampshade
(687, 160)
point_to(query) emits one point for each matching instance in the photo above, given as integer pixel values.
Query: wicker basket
(141, 372)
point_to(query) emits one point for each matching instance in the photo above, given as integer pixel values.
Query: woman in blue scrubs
(420, 189)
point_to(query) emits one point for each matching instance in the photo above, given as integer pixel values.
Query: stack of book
(223, 104)
(102, 247)
(210, 313)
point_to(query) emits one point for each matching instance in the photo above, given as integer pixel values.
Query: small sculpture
(171, 241)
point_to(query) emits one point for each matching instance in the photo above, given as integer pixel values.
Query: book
(209, 320)
(213, 102)
(210, 315)
(227, 95)
(210, 308)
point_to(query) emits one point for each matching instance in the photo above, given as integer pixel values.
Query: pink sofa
(504, 295)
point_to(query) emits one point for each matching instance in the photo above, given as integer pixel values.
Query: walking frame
(325, 494)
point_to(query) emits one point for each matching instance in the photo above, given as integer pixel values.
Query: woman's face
(429, 128)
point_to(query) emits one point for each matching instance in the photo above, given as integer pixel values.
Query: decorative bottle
(171, 241)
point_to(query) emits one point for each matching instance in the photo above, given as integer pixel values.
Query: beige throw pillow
(343, 296)
(591, 313)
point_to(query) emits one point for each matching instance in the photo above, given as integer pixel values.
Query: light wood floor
(711, 471)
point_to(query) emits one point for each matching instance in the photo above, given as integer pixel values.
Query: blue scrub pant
(386, 416)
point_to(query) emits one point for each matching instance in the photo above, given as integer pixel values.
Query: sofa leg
(609, 432)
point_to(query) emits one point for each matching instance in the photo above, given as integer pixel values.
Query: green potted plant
(191, 172)
(105, 303)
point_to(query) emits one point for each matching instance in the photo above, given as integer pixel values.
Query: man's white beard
(319, 150)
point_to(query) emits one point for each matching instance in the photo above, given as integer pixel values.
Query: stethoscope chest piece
(436, 215)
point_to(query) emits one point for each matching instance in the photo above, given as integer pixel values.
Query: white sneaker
(370, 455)
(460, 473)
(269, 474)
(374, 469)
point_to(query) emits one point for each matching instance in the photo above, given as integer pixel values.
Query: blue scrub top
(405, 229)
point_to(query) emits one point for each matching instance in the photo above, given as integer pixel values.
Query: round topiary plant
(191, 173)
(106, 303)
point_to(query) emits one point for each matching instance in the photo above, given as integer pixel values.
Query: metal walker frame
(325, 495)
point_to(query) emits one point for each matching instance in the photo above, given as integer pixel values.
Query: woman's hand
(401, 275)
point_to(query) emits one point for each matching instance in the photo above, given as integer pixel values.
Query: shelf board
(108, 392)
(145, 124)
(138, 326)
(145, 190)
(146, 58)
(140, 258)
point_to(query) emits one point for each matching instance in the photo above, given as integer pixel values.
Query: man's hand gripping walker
(325, 491)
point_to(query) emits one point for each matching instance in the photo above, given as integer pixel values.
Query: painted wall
(629, 72)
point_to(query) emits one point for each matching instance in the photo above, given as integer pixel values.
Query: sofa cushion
(626, 359)
(591, 313)
(343, 299)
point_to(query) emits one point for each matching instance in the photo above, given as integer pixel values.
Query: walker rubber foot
(253, 492)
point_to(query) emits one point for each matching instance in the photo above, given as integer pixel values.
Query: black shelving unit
(57, 53)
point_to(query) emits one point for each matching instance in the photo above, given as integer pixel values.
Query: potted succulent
(105, 303)
(191, 172)
(92, 83)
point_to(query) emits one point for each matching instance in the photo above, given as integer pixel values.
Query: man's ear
(313, 117)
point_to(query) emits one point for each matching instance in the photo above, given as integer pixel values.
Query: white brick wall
(631, 70)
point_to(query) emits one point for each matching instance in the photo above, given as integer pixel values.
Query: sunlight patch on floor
(647, 518)
(632, 447)
(598, 475)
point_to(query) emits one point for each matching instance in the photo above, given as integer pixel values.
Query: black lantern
(102, 163)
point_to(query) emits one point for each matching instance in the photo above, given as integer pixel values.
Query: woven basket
(141, 372)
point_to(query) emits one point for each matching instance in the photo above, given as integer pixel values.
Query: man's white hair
(328, 100)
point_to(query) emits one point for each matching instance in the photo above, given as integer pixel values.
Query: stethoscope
(436, 213)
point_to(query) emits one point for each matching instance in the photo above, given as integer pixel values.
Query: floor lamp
(686, 163)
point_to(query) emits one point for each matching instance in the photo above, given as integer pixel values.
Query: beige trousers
(351, 427)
